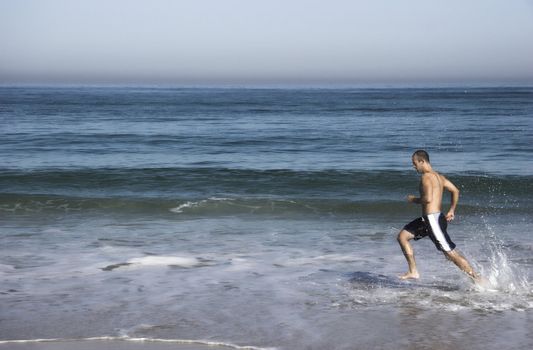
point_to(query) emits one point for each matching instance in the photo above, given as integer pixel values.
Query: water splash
(502, 273)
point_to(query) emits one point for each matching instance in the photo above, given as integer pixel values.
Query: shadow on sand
(370, 280)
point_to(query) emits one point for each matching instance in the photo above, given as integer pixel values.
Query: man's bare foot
(481, 281)
(410, 276)
(477, 279)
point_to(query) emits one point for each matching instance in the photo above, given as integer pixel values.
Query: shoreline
(121, 343)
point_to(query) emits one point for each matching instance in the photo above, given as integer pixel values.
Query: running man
(432, 223)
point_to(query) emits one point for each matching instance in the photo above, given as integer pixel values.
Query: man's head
(420, 160)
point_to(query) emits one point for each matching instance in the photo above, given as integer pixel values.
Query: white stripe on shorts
(437, 232)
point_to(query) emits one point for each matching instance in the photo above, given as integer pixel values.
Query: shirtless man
(432, 223)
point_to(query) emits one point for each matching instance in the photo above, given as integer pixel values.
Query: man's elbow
(455, 194)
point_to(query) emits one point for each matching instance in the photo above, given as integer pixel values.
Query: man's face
(417, 163)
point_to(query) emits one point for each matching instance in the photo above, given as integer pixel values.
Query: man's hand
(450, 216)
(411, 198)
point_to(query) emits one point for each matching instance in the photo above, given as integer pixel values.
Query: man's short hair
(421, 154)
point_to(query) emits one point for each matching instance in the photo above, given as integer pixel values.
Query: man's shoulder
(431, 176)
(427, 176)
(441, 176)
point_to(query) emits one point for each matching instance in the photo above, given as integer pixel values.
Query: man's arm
(454, 198)
(426, 192)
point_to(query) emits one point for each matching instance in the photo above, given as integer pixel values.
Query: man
(432, 223)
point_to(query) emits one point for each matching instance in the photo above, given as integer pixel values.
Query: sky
(266, 42)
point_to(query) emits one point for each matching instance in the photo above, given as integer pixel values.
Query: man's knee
(400, 238)
(404, 236)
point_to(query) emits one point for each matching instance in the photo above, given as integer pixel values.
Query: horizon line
(272, 85)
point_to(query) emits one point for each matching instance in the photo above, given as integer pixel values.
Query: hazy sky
(268, 41)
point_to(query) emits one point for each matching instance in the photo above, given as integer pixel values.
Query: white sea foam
(320, 260)
(164, 261)
(507, 289)
(138, 340)
(179, 208)
(191, 204)
(6, 268)
(54, 231)
(240, 264)
(156, 261)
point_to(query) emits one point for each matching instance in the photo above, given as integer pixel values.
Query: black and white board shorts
(433, 225)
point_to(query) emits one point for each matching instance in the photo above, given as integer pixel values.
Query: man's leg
(403, 238)
(461, 262)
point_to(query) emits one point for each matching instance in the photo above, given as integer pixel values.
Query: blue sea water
(263, 217)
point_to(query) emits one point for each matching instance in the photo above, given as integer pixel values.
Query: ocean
(261, 218)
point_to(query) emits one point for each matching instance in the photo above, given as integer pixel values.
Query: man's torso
(437, 187)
